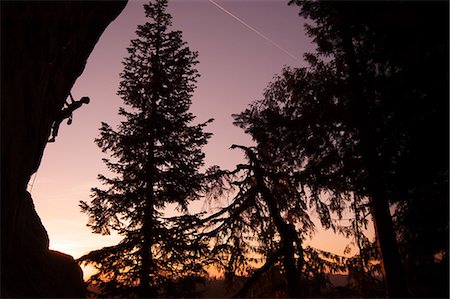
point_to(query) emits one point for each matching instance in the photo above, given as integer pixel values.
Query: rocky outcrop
(44, 48)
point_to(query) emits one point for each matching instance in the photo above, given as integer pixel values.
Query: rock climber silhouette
(67, 113)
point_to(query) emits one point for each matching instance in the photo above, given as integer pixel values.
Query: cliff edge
(44, 48)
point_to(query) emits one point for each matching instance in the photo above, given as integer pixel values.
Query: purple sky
(236, 64)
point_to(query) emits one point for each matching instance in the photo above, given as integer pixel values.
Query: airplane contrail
(254, 30)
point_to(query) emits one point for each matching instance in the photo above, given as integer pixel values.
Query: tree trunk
(146, 289)
(394, 274)
(287, 233)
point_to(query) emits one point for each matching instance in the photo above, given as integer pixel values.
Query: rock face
(44, 48)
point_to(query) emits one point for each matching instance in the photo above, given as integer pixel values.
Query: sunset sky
(236, 64)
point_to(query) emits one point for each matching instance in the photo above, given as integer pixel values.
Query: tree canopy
(369, 115)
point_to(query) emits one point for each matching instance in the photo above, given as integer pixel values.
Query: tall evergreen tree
(156, 155)
(395, 58)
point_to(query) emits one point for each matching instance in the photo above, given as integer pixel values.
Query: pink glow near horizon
(235, 66)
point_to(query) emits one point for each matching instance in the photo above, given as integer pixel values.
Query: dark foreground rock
(44, 48)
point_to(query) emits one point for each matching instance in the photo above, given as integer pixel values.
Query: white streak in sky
(254, 30)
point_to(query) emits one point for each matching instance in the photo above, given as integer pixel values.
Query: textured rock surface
(44, 48)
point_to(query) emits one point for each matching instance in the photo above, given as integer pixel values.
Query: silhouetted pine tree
(156, 155)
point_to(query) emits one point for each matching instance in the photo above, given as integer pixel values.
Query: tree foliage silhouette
(155, 156)
(364, 117)
(266, 222)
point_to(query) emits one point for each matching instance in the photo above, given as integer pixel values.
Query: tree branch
(257, 274)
